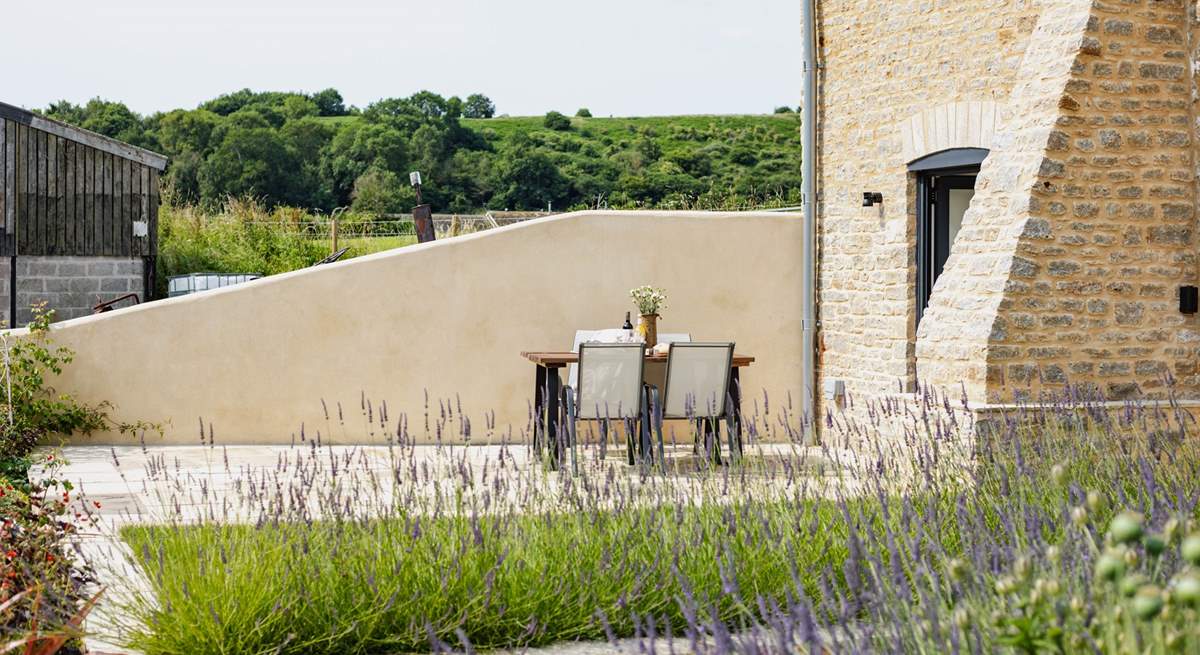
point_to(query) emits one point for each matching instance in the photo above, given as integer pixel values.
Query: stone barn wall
(1082, 228)
(885, 66)
(1092, 294)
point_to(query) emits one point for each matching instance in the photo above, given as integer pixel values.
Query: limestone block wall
(886, 66)
(1069, 261)
(69, 285)
(1100, 227)
(961, 322)
(1092, 296)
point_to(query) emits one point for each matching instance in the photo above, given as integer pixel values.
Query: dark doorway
(945, 187)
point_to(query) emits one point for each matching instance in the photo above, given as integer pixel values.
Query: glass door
(942, 199)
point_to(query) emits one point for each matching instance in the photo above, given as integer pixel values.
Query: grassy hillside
(311, 151)
(700, 161)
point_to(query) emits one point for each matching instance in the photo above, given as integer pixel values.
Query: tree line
(314, 151)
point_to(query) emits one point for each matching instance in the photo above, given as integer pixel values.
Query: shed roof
(86, 137)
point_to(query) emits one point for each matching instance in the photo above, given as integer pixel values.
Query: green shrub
(30, 410)
(556, 121)
(41, 583)
(380, 191)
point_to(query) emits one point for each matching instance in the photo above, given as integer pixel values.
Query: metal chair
(697, 389)
(609, 388)
(592, 336)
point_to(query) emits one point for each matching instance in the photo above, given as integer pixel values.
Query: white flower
(649, 300)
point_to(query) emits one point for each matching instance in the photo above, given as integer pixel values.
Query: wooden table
(547, 388)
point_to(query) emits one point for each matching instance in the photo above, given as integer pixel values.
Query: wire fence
(346, 227)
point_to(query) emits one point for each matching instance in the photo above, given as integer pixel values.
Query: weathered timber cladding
(66, 191)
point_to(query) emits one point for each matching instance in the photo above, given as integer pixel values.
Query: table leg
(553, 391)
(735, 402)
(539, 408)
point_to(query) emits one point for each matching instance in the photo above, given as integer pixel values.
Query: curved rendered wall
(448, 318)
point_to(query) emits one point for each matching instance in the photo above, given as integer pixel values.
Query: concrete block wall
(69, 285)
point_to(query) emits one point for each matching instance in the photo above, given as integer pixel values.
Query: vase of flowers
(649, 301)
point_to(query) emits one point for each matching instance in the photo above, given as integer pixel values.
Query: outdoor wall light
(1189, 299)
(872, 198)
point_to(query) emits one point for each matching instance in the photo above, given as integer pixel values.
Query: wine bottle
(628, 325)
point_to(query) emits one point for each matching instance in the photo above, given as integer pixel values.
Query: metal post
(12, 291)
(809, 193)
(423, 223)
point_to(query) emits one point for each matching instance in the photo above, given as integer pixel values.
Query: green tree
(583, 113)
(66, 112)
(556, 121)
(181, 186)
(250, 161)
(784, 109)
(295, 107)
(228, 103)
(380, 191)
(429, 104)
(329, 102)
(427, 149)
(531, 180)
(113, 119)
(306, 140)
(478, 106)
(183, 131)
(357, 147)
(454, 108)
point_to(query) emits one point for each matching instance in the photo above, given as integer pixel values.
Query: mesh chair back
(610, 380)
(697, 380)
(591, 336)
(674, 337)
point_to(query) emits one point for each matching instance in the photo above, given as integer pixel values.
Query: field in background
(705, 162)
(312, 151)
(670, 162)
(245, 237)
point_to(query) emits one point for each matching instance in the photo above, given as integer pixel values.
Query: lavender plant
(1042, 531)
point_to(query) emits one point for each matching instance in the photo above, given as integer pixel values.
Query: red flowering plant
(43, 578)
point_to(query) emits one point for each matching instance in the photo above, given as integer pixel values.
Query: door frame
(933, 226)
(936, 175)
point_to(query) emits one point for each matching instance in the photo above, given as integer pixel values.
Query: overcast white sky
(618, 57)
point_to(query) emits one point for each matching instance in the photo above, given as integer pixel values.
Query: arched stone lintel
(952, 125)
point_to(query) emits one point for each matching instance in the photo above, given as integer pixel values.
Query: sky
(615, 57)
